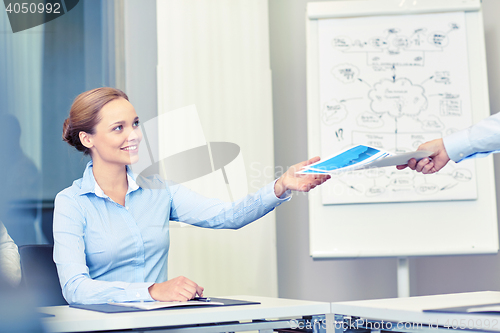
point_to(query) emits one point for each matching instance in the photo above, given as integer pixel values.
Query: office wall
(141, 56)
(215, 54)
(301, 277)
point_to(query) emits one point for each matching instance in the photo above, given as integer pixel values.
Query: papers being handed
(361, 157)
(161, 305)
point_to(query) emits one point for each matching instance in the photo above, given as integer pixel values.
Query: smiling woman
(84, 114)
(117, 135)
(111, 227)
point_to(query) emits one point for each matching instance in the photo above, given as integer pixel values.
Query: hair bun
(66, 134)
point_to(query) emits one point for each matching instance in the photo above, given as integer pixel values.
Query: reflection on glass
(10, 265)
(41, 69)
(20, 185)
(17, 313)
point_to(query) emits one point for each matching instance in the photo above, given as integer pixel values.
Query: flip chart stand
(371, 223)
(403, 277)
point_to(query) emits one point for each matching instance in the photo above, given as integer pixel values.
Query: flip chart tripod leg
(403, 277)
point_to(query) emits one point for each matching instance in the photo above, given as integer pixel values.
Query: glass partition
(42, 69)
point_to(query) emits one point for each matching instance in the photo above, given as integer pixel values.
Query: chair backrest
(39, 274)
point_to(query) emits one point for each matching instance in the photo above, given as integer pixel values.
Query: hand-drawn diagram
(394, 83)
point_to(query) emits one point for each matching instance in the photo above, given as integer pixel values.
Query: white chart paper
(393, 83)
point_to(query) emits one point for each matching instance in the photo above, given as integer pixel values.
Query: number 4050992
(33, 8)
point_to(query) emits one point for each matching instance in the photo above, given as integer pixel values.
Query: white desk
(228, 318)
(408, 312)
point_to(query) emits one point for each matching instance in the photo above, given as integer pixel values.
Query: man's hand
(436, 162)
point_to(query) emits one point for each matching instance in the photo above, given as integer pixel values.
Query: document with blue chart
(361, 157)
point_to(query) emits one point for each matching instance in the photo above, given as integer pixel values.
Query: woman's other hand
(178, 289)
(297, 182)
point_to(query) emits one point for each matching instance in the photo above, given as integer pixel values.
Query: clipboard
(111, 308)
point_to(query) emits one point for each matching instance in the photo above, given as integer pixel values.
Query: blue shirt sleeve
(69, 255)
(193, 208)
(478, 140)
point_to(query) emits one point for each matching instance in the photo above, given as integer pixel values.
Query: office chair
(39, 274)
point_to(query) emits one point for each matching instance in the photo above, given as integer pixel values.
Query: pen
(202, 299)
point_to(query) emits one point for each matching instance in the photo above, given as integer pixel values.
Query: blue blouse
(106, 252)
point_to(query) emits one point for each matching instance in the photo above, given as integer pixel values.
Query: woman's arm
(195, 209)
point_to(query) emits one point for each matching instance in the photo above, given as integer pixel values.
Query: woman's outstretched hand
(296, 182)
(178, 289)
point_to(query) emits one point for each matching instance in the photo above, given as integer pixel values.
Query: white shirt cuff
(140, 292)
(458, 145)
